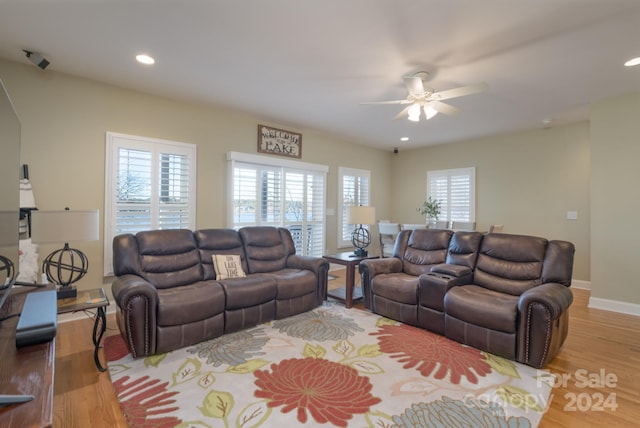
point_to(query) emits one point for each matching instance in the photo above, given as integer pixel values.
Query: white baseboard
(614, 306)
(580, 284)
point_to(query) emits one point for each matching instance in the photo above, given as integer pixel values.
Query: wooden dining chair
(495, 228)
(463, 225)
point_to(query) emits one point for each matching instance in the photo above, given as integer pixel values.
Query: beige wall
(615, 199)
(64, 120)
(526, 181)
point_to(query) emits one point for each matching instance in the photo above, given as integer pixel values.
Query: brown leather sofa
(168, 296)
(505, 294)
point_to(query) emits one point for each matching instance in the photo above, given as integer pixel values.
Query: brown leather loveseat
(168, 294)
(505, 294)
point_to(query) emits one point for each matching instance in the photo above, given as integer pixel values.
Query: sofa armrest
(544, 323)
(455, 271)
(137, 301)
(317, 265)
(369, 268)
(555, 298)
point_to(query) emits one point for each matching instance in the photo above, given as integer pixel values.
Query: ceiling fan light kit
(421, 98)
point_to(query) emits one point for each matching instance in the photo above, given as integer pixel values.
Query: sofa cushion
(510, 263)
(218, 241)
(294, 283)
(190, 303)
(169, 258)
(252, 290)
(398, 287)
(264, 249)
(482, 307)
(425, 248)
(227, 266)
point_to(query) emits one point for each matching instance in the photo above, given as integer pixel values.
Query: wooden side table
(85, 300)
(348, 259)
(27, 370)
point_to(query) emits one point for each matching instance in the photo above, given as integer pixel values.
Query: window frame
(447, 174)
(285, 166)
(115, 142)
(345, 229)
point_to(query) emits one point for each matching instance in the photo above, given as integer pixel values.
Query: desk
(348, 259)
(27, 370)
(85, 300)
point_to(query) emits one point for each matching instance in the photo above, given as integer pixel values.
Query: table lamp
(67, 265)
(360, 238)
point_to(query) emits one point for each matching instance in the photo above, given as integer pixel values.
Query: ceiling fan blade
(444, 108)
(404, 112)
(460, 92)
(387, 102)
(414, 85)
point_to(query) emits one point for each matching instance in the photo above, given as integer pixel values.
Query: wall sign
(276, 141)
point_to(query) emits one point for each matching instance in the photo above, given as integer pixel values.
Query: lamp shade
(53, 227)
(361, 215)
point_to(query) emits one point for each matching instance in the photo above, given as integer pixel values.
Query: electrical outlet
(572, 215)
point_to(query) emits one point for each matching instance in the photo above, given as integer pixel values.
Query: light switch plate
(572, 215)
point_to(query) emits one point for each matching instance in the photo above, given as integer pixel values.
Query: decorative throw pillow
(228, 266)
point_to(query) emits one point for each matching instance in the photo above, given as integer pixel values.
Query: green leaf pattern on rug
(206, 380)
(217, 404)
(187, 371)
(518, 397)
(378, 419)
(154, 360)
(366, 367)
(385, 321)
(502, 365)
(248, 367)
(311, 351)
(545, 377)
(193, 424)
(253, 415)
(370, 351)
(344, 347)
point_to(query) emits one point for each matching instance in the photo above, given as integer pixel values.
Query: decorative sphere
(7, 271)
(360, 238)
(65, 266)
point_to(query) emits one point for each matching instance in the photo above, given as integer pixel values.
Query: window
(455, 189)
(149, 184)
(353, 190)
(281, 193)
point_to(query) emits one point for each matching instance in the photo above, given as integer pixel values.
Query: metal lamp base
(67, 291)
(360, 252)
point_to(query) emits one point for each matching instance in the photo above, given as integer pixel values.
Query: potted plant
(430, 208)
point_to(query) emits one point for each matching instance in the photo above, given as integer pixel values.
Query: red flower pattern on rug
(329, 391)
(143, 400)
(115, 348)
(424, 350)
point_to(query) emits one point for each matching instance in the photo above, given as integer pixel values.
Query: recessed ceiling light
(404, 139)
(145, 59)
(632, 62)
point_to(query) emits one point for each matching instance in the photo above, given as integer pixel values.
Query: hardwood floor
(601, 346)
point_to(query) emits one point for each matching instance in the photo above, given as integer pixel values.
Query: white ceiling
(309, 64)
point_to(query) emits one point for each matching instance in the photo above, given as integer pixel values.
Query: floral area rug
(328, 367)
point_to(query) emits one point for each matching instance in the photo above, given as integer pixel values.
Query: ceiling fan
(422, 98)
